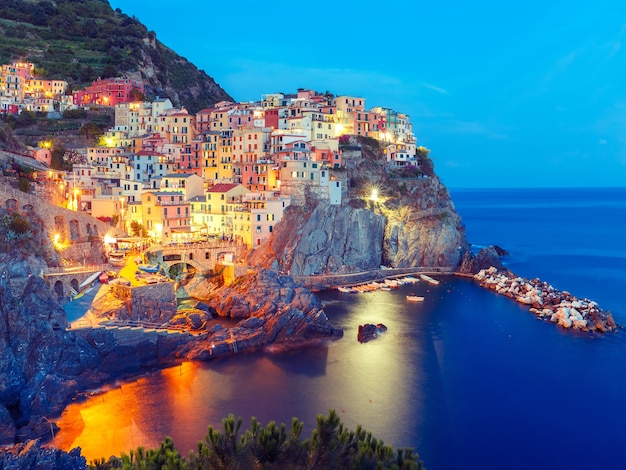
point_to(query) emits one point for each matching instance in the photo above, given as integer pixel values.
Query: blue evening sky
(505, 94)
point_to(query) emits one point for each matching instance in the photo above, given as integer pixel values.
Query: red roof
(222, 187)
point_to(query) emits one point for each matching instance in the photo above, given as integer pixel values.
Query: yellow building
(218, 216)
(166, 216)
(178, 126)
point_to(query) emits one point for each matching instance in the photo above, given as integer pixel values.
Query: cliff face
(41, 362)
(43, 365)
(409, 223)
(329, 239)
(423, 229)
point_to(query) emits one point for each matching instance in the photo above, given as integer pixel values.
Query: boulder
(486, 258)
(32, 455)
(370, 331)
(275, 310)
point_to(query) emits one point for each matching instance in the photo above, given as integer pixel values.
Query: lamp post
(122, 221)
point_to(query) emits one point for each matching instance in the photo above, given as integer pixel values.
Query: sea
(468, 379)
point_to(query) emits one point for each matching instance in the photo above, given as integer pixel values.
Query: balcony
(170, 203)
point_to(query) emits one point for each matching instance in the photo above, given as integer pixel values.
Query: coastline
(547, 303)
(543, 300)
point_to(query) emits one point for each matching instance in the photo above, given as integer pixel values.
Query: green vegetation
(24, 184)
(138, 230)
(82, 40)
(425, 162)
(331, 446)
(24, 233)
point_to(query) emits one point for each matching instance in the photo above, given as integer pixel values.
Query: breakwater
(546, 302)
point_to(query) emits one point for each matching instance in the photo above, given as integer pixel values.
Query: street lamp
(122, 225)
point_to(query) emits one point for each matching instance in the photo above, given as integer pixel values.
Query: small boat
(117, 258)
(429, 279)
(91, 279)
(121, 281)
(81, 293)
(414, 298)
(148, 268)
(78, 296)
(344, 289)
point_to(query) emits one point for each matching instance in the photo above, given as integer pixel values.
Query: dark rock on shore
(275, 311)
(44, 365)
(486, 257)
(369, 331)
(501, 251)
(32, 456)
(41, 361)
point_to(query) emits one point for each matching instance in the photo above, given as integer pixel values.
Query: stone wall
(122, 292)
(154, 303)
(74, 227)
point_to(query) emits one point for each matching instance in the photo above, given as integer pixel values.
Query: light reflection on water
(466, 376)
(367, 384)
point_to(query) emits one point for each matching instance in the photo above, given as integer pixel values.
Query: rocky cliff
(410, 222)
(274, 311)
(44, 365)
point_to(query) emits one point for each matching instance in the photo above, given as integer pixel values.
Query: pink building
(108, 92)
(42, 155)
(203, 120)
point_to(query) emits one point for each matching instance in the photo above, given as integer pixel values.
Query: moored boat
(148, 268)
(429, 279)
(117, 258)
(90, 280)
(83, 292)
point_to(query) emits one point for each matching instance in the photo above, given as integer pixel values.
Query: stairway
(133, 335)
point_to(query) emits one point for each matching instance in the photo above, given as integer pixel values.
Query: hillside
(79, 41)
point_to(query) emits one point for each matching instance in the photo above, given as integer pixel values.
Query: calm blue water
(468, 378)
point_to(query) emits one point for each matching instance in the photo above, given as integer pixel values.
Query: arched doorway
(58, 289)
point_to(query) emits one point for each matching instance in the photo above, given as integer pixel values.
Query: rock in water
(486, 257)
(369, 331)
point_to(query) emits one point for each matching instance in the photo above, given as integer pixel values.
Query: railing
(76, 269)
(170, 203)
(174, 246)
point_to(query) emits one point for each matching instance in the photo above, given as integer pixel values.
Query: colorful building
(109, 92)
